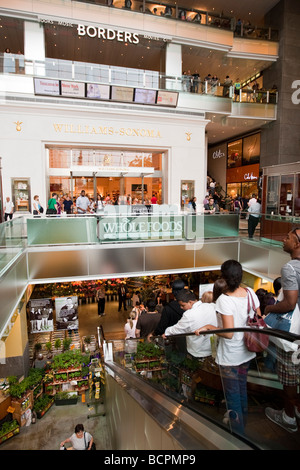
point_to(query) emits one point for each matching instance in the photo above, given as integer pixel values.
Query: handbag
(255, 342)
(87, 445)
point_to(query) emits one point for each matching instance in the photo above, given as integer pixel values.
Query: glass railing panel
(12, 241)
(54, 230)
(200, 383)
(274, 228)
(103, 74)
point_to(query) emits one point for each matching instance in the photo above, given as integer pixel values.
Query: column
(34, 48)
(173, 66)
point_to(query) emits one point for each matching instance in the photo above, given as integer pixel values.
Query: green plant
(67, 343)
(18, 389)
(87, 340)
(57, 343)
(42, 402)
(37, 347)
(8, 426)
(49, 346)
(65, 395)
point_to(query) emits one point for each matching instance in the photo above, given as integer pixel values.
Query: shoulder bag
(255, 342)
(87, 445)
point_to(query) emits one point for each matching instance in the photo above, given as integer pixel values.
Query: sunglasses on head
(295, 232)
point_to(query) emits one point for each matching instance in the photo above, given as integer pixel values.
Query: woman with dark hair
(232, 355)
(80, 439)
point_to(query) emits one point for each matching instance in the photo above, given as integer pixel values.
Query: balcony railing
(136, 223)
(177, 12)
(110, 75)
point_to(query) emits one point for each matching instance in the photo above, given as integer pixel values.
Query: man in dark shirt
(68, 203)
(171, 314)
(147, 322)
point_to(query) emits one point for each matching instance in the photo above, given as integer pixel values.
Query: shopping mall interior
(136, 112)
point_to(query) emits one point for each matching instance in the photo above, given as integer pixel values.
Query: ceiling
(64, 43)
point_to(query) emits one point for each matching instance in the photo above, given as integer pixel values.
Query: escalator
(167, 400)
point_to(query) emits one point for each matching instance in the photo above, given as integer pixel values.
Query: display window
(251, 149)
(286, 195)
(21, 194)
(234, 154)
(187, 192)
(282, 194)
(245, 190)
(85, 166)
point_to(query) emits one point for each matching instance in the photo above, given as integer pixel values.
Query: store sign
(218, 154)
(250, 176)
(243, 173)
(107, 34)
(62, 128)
(296, 94)
(141, 228)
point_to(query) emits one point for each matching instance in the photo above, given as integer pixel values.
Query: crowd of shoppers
(192, 321)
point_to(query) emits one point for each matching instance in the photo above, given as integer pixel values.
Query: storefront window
(286, 195)
(187, 192)
(251, 149)
(59, 158)
(233, 189)
(21, 194)
(272, 195)
(235, 152)
(66, 158)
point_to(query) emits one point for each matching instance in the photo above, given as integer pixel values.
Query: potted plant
(66, 398)
(57, 344)
(67, 343)
(49, 349)
(87, 341)
(37, 349)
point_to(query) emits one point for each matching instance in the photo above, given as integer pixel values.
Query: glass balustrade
(133, 223)
(13, 238)
(144, 79)
(200, 383)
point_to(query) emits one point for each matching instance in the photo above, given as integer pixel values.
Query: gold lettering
(86, 129)
(102, 130)
(58, 127)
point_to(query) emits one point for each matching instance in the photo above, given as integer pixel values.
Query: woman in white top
(130, 326)
(232, 355)
(80, 439)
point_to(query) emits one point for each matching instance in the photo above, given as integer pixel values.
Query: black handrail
(286, 335)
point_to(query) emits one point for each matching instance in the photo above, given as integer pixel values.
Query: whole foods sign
(141, 228)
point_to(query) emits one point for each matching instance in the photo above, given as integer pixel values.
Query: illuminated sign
(107, 34)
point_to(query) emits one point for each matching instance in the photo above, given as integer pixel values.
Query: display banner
(72, 89)
(66, 309)
(142, 227)
(40, 315)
